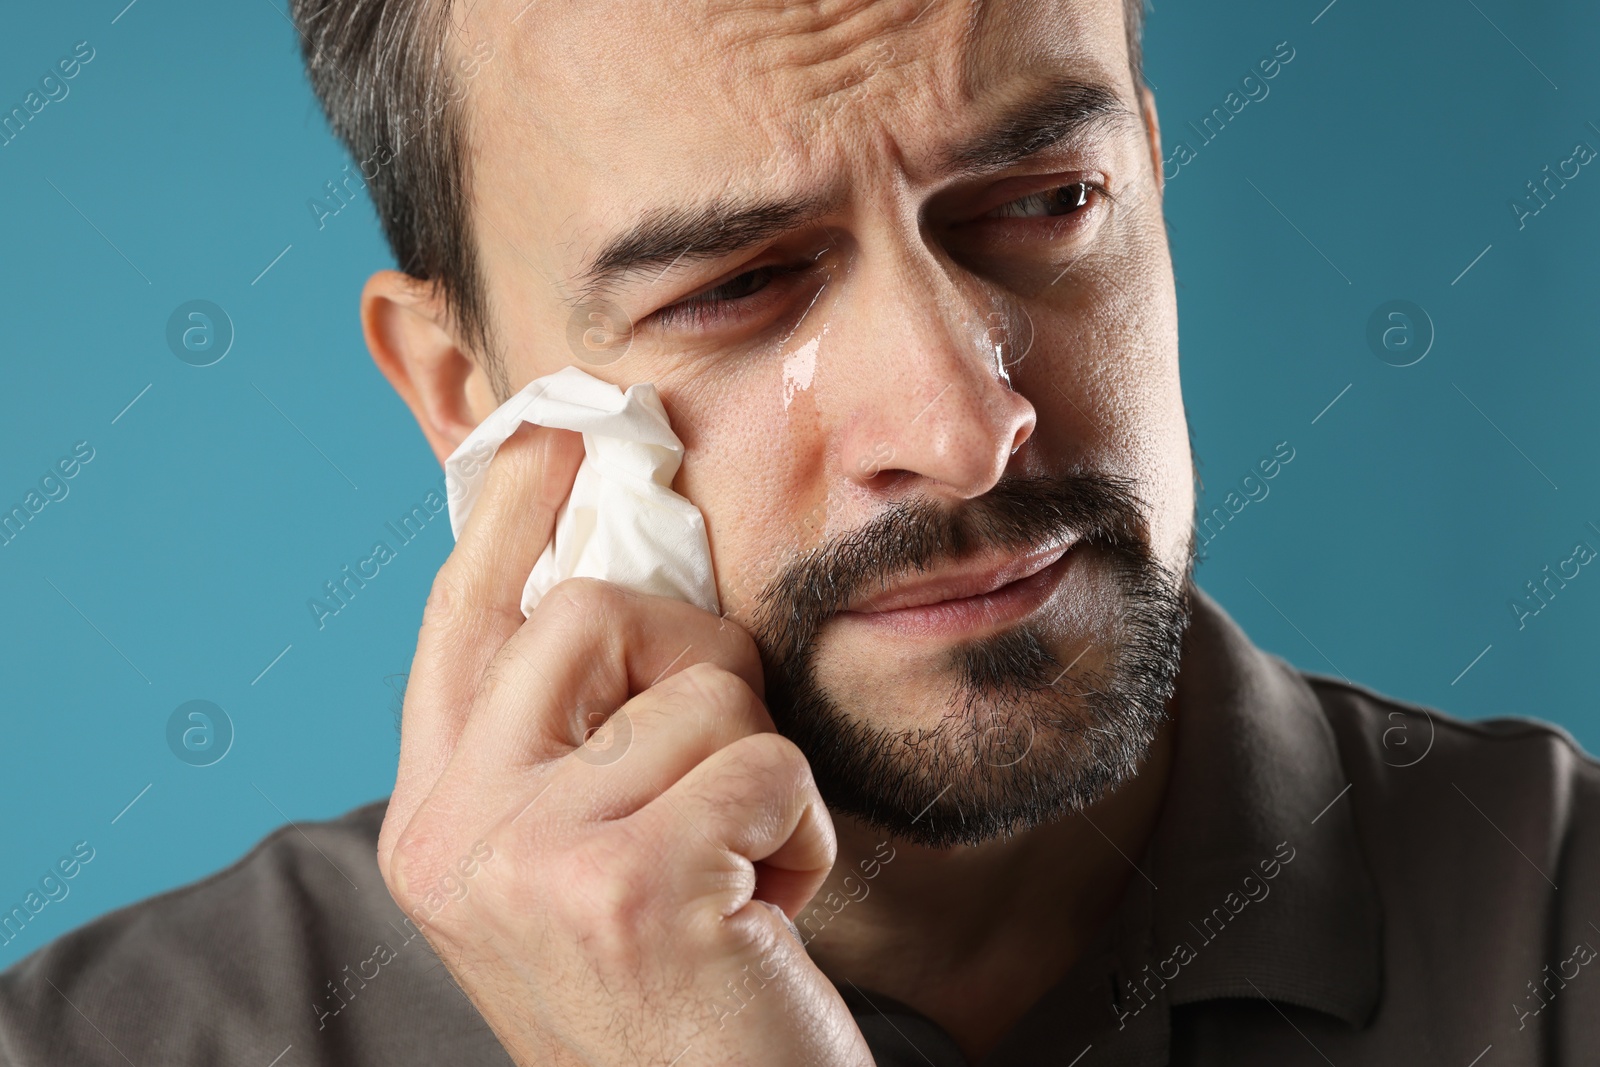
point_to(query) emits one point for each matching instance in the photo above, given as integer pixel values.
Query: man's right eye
(714, 305)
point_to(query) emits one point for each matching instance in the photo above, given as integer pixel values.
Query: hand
(624, 900)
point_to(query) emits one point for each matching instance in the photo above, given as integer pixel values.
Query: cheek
(1104, 386)
(756, 470)
(1103, 375)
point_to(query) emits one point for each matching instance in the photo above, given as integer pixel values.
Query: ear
(1152, 127)
(413, 341)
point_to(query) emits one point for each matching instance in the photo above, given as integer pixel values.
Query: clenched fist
(623, 831)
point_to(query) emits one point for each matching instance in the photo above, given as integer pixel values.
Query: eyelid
(976, 203)
(1096, 187)
(698, 311)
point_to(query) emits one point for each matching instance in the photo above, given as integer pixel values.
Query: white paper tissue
(622, 523)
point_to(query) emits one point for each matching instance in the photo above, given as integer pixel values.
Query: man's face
(880, 257)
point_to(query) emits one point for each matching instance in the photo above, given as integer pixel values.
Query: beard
(1024, 739)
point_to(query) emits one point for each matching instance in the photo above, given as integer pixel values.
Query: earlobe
(408, 331)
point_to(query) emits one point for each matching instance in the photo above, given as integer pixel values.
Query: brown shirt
(1336, 878)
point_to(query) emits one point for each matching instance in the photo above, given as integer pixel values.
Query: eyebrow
(663, 237)
(1064, 109)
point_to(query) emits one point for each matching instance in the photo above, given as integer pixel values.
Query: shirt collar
(1255, 855)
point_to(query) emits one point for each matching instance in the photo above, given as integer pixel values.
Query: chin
(964, 743)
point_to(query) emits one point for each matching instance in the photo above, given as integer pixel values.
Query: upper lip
(972, 579)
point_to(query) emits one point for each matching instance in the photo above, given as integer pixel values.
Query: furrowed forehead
(613, 108)
(629, 65)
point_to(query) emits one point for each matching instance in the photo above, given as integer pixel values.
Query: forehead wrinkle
(819, 30)
(811, 52)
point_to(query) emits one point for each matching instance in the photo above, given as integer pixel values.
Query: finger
(751, 805)
(589, 647)
(474, 604)
(657, 738)
(528, 480)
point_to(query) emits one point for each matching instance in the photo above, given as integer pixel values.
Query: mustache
(1020, 513)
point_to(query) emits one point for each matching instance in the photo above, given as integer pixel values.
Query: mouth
(958, 601)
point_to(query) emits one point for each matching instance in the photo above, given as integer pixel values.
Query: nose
(928, 399)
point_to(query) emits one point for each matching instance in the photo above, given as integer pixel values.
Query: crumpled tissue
(622, 522)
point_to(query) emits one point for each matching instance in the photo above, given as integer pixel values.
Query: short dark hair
(383, 73)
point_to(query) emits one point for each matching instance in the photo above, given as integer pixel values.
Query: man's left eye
(1062, 200)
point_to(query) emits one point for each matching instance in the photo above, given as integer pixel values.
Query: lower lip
(957, 618)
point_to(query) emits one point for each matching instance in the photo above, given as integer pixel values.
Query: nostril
(1027, 421)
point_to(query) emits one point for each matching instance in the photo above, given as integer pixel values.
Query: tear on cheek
(800, 347)
(1008, 337)
(800, 366)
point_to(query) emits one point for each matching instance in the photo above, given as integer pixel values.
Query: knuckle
(408, 865)
(457, 607)
(718, 699)
(714, 685)
(580, 603)
(442, 605)
(777, 759)
(607, 889)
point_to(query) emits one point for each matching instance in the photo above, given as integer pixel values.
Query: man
(967, 770)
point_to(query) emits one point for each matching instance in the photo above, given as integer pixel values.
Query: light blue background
(180, 564)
